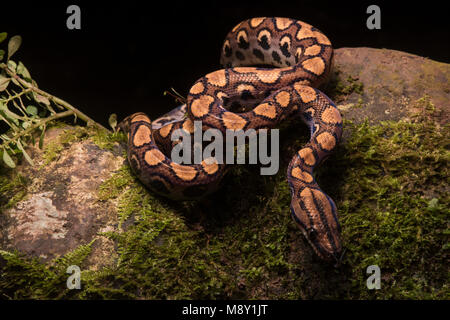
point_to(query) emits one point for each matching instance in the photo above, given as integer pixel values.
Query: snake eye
(312, 233)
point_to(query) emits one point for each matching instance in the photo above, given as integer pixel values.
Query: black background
(128, 53)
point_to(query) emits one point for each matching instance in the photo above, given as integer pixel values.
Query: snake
(272, 67)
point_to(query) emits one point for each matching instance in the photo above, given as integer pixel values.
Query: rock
(393, 82)
(61, 210)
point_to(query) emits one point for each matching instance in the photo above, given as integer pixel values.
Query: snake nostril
(312, 233)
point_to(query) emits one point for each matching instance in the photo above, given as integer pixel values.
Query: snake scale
(300, 57)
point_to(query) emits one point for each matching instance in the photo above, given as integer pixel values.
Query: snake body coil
(302, 57)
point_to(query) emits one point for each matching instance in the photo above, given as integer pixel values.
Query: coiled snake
(302, 57)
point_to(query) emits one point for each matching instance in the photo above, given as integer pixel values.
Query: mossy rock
(81, 205)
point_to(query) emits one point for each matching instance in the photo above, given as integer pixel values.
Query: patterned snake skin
(302, 58)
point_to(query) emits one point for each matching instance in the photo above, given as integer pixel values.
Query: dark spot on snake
(158, 186)
(240, 55)
(133, 163)
(298, 55)
(225, 100)
(228, 51)
(264, 43)
(258, 53)
(285, 50)
(276, 56)
(307, 116)
(195, 191)
(246, 95)
(288, 63)
(242, 43)
(235, 106)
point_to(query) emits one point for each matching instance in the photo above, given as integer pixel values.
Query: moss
(340, 88)
(359, 103)
(394, 213)
(426, 110)
(102, 138)
(13, 188)
(112, 187)
(107, 140)
(390, 185)
(25, 278)
(69, 135)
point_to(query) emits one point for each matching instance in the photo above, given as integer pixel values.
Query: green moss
(107, 140)
(112, 187)
(13, 188)
(102, 138)
(159, 256)
(394, 213)
(340, 88)
(426, 106)
(390, 184)
(68, 136)
(25, 278)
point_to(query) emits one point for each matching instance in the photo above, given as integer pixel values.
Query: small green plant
(25, 109)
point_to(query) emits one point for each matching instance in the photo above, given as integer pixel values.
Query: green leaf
(25, 124)
(25, 154)
(3, 36)
(113, 121)
(14, 45)
(8, 113)
(32, 110)
(23, 71)
(7, 159)
(41, 99)
(2, 54)
(12, 65)
(4, 82)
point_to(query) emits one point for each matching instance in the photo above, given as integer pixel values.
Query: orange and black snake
(301, 59)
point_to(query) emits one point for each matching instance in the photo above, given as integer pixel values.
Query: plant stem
(17, 95)
(42, 122)
(56, 100)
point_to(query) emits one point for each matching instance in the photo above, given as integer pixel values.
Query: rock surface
(392, 81)
(61, 210)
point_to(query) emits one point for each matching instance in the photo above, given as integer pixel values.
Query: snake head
(316, 215)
